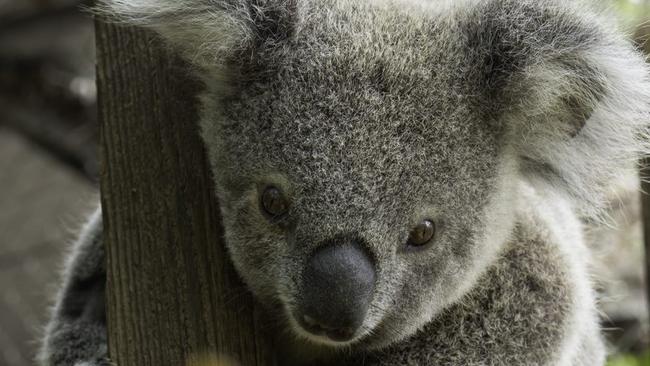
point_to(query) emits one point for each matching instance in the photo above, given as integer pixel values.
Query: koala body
(421, 163)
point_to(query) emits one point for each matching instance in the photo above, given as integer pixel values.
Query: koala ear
(573, 94)
(208, 33)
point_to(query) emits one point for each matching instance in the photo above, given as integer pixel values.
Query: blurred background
(49, 169)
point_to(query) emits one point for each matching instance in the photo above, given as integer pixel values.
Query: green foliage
(629, 360)
(632, 12)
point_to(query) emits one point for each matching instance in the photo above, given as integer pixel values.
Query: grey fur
(502, 120)
(77, 329)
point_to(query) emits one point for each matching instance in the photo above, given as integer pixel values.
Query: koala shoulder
(534, 306)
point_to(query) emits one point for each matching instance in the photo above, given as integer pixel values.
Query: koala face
(366, 153)
(361, 189)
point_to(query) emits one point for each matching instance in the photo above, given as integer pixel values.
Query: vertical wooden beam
(172, 291)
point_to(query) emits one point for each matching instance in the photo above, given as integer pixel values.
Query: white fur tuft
(205, 32)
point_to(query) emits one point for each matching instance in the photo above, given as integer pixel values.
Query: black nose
(337, 288)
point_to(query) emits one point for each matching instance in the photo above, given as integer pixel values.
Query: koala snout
(338, 284)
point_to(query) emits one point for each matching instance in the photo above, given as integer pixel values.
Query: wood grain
(172, 292)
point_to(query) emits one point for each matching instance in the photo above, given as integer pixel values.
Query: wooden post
(172, 293)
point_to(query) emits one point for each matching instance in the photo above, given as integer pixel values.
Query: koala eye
(273, 202)
(422, 233)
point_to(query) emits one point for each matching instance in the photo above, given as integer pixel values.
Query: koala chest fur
(400, 180)
(534, 306)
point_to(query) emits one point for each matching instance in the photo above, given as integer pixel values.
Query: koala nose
(338, 283)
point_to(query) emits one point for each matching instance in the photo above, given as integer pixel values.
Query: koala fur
(502, 121)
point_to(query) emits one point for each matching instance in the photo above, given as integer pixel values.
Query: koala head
(366, 154)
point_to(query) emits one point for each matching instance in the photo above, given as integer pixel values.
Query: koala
(402, 182)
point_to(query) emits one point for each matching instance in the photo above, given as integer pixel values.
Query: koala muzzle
(338, 284)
